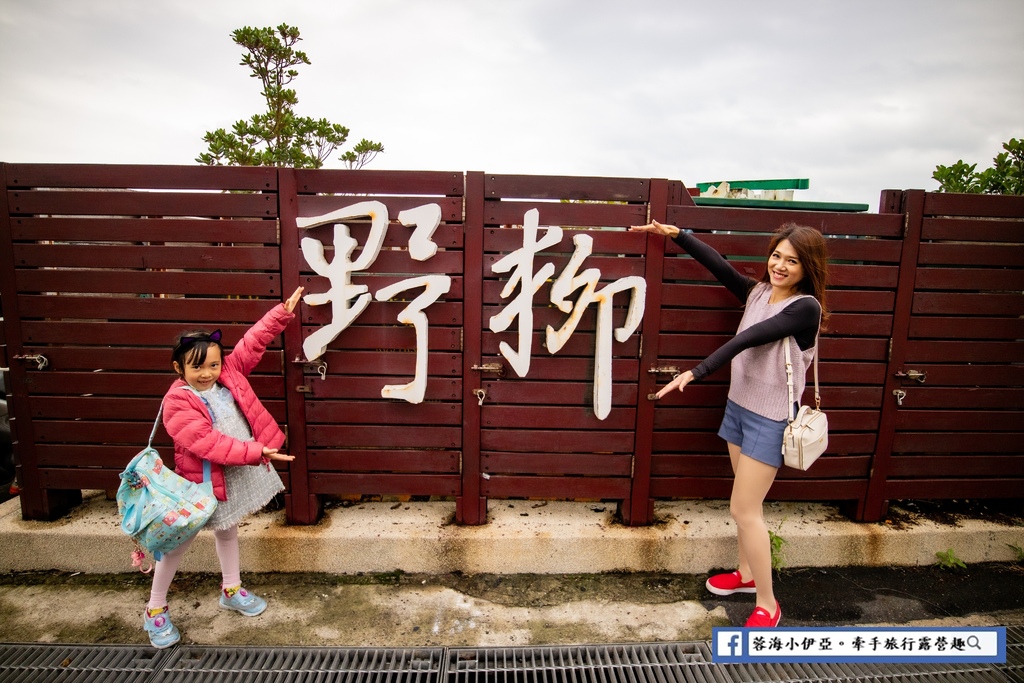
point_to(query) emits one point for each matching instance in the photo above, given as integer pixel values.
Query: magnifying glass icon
(972, 641)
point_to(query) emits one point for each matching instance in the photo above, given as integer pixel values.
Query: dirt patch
(905, 513)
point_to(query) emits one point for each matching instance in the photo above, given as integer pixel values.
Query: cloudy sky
(856, 96)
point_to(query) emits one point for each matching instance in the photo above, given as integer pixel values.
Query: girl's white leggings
(226, 541)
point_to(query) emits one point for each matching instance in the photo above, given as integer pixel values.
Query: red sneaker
(727, 584)
(760, 618)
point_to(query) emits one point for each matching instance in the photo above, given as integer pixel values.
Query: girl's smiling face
(201, 376)
(784, 269)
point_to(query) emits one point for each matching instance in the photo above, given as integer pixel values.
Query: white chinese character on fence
(521, 307)
(349, 300)
(566, 283)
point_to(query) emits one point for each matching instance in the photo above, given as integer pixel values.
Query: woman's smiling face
(784, 269)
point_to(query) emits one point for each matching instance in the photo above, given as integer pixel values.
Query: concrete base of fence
(521, 537)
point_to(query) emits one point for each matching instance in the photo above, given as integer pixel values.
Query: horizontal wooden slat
(980, 205)
(568, 215)
(970, 230)
(327, 436)
(945, 303)
(829, 223)
(148, 257)
(988, 255)
(65, 358)
(972, 279)
(957, 442)
(108, 383)
(366, 180)
(553, 417)
(954, 487)
(386, 412)
(500, 241)
(190, 177)
(521, 391)
(365, 387)
(962, 465)
(87, 333)
(385, 484)
(376, 460)
(151, 230)
(996, 398)
(386, 313)
(130, 282)
(967, 328)
(557, 488)
(141, 203)
(105, 407)
(960, 420)
(968, 375)
(561, 464)
(393, 364)
(561, 441)
(566, 187)
(319, 205)
(964, 351)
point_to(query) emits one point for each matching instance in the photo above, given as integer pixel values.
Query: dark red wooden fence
(103, 265)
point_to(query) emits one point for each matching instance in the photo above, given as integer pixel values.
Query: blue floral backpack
(160, 510)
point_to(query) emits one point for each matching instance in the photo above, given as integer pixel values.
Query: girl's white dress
(249, 487)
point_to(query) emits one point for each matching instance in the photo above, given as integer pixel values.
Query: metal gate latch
(914, 375)
(490, 367)
(39, 359)
(900, 395)
(480, 394)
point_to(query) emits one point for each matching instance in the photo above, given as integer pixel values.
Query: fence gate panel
(699, 315)
(560, 348)
(111, 264)
(959, 419)
(381, 258)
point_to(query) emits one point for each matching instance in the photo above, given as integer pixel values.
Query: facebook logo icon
(728, 643)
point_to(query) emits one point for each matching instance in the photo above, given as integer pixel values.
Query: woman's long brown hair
(812, 251)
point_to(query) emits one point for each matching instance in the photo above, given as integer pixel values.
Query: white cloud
(858, 97)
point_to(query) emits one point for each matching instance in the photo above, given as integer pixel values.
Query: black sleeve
(800, 320)
(735, 281)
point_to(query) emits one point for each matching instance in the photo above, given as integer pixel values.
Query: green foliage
(279, 137)
(1018, 551)
(949, 560)
(1005, 177)
(776, 541)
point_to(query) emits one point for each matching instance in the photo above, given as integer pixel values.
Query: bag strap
(789, 377)
(207, 476)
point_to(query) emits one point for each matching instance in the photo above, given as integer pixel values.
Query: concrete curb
(521, 537)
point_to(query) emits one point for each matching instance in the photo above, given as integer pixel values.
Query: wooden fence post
(471, 507)
(874, 504)
(301, 506)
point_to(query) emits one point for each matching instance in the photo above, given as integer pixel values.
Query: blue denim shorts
(757, 436)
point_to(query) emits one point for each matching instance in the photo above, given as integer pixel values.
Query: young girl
(787, 305)
(212, 414)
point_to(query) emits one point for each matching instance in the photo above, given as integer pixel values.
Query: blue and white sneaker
(162, 633)
(244, 603)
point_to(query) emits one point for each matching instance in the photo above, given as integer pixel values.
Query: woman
(786, 306)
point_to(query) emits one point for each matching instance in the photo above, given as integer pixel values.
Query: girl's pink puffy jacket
(188, 421)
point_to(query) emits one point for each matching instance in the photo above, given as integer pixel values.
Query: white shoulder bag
(806, 436)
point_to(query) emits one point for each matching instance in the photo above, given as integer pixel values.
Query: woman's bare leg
(750, 486)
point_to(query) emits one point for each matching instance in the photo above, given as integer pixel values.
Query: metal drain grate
(66, 663)
(640, 663)
(120, 664)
